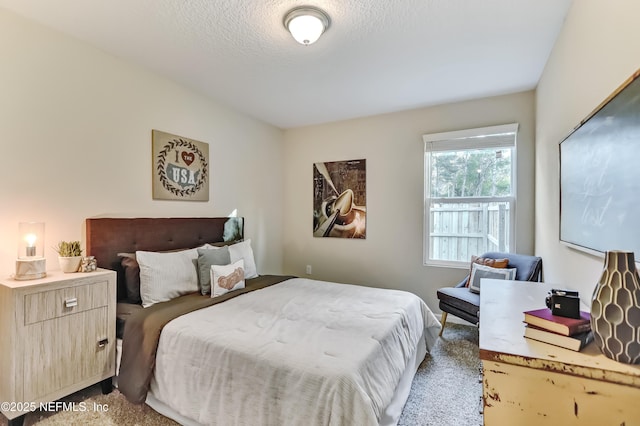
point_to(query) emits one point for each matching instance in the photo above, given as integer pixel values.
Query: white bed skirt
(389, 418)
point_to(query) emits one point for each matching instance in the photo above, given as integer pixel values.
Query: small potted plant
(69, 255)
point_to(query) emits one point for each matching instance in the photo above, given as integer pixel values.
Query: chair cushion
(460, 298)
(473, 319)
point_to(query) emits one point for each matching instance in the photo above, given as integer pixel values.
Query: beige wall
(391, 255)
(76, 127)
(76, 143)
(597, 50)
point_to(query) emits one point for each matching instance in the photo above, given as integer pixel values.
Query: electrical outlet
(308, 269)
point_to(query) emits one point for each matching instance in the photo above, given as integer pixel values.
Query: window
(470, 196)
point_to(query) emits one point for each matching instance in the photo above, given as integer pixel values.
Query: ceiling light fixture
(306, 24)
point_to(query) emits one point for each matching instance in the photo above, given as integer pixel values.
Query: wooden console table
(526, 382)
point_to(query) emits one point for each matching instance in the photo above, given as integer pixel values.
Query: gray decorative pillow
(207, 258)
(482, 271)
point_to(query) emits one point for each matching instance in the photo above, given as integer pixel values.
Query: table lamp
(30, 264)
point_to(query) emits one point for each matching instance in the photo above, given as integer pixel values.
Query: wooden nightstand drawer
(65, 301)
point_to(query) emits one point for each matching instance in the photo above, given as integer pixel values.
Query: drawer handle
(102, 343)
(70, 303)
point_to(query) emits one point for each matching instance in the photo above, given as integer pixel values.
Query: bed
(280, 351)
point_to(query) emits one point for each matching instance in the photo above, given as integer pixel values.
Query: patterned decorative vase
(615, 308)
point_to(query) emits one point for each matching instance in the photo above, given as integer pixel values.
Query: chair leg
(443, 320)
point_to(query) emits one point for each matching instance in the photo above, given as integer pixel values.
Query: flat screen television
(600, 176)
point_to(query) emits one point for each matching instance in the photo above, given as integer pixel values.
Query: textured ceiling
(378, 56)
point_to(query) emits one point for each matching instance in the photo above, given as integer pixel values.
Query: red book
(542, 318)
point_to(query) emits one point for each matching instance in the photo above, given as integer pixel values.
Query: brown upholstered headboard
(106, 237)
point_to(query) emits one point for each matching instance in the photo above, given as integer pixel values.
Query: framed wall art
(340, 199)
(600, 177)
(180, 168)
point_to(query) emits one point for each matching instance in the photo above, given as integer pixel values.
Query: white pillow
(482, 271)
(225, 278)
(242, 250)
(165, 276)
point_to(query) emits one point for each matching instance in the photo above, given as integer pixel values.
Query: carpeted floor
(445, 392)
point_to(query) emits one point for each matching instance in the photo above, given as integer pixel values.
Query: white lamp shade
(306, 24)
(306, 29)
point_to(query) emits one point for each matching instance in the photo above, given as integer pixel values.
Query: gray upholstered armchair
(459, 301)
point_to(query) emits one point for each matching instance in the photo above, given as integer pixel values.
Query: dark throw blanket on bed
(142, 333)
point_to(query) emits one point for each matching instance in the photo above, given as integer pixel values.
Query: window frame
(459, 140)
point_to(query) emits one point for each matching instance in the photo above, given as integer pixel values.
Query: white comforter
(301, 352)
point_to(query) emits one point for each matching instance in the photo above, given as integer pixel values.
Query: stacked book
(569, 333)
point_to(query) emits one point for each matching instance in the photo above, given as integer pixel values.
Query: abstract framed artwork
(180, 168)
(340, 199)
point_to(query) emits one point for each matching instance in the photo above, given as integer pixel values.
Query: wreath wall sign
(180, 168)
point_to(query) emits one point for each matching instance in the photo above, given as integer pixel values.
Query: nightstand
(57, 336)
